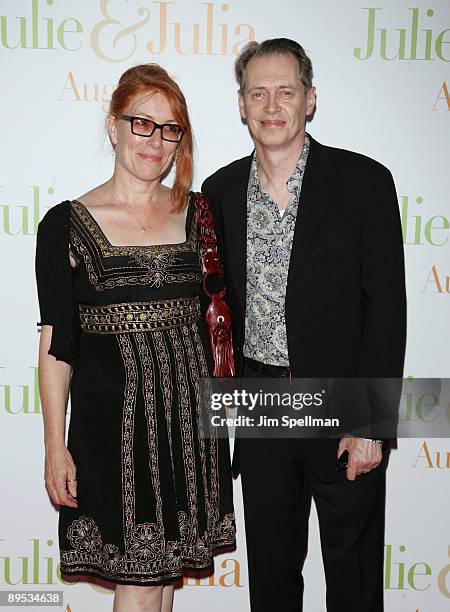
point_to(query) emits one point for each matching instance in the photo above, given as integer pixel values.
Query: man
(313, 258)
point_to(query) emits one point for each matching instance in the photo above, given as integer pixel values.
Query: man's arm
(384, 325)
(383, 284)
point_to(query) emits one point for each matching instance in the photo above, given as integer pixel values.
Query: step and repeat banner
(382, 72)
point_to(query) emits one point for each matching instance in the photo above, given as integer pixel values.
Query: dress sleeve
(55, 281)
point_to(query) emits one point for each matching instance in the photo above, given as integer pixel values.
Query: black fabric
(345, 318)
(351, 521)
(345, 297)
(275, 475)
(154, 496)
(55, 282)
(266, 369)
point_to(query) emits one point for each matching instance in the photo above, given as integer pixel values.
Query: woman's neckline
(130, 246)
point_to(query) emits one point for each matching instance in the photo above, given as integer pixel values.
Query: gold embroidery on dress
(224, 530)
(166, 385)
(110, 250)
(213, 511)
(129, 406)
(186, 431)
(147, 557)
(129, 317)
(152, 278)
(85, 535)
(158, 263)
(147, 372)
(201, 434)
(90, 554)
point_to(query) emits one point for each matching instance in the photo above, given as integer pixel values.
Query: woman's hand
(60, 476)
(54, 382)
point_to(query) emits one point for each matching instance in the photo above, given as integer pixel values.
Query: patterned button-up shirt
(269, 243)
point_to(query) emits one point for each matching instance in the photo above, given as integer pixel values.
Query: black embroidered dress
(154, 495)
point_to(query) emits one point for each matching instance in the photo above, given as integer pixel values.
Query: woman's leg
(138, 598)
(167, 599)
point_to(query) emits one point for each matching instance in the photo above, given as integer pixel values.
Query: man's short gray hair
(274, 46)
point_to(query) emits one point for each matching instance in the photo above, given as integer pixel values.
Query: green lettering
(4, 33)
(429, 227)
(37, 397)
(413, 573)
(414, 28)
(401, 46)
(438, 45)
(422, 403)
(23, 229)
(34, 24)
(60, 34)
(370, 35)
(7, 573)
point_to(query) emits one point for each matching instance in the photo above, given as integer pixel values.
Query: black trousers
(277, 486)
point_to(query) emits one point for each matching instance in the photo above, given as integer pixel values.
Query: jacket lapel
(315, 198)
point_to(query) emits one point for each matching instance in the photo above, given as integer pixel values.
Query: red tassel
(219, 326)
(223, 355)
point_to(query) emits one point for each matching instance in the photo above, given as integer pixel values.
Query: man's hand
(363, 455)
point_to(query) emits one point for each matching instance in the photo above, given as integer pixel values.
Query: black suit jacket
(345, 297)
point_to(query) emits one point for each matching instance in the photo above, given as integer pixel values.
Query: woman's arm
(54, 382)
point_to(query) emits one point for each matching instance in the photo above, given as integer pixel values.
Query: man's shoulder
(227, 176)
(345, 161)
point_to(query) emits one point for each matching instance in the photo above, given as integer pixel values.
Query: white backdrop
(382, 77)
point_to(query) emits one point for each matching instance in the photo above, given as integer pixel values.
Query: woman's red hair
(151, 77)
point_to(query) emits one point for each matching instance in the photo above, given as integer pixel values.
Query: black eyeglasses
(146, 127)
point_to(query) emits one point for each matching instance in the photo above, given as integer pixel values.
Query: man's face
(274, 103)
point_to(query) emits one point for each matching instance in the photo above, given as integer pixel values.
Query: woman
(144, 497)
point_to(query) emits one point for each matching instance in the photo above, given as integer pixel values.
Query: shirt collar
(295, 180)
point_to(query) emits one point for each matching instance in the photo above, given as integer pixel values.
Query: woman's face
(145, 158)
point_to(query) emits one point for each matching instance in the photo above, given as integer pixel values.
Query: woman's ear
(111, 126)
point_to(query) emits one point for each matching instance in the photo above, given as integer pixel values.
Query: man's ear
(310, 101)
(111, 126)
(241, 104)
